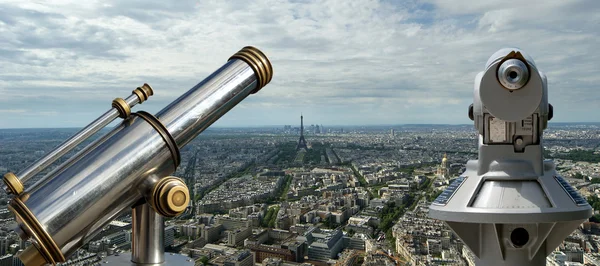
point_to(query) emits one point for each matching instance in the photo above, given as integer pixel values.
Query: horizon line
(347, 125)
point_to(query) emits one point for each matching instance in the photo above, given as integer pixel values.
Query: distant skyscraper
(301, 141)
(392, 133)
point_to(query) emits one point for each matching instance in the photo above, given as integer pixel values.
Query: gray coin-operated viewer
(510, 207)
(127, 168)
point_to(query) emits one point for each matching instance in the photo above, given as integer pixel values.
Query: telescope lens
(513, 74)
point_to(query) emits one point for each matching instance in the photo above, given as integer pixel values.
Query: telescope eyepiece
(513, 74)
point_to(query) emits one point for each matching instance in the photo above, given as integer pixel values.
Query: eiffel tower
(301, 141)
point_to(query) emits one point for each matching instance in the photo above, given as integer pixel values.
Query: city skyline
(293, 125)
(364, 62)
(368, 190)
(216, 126)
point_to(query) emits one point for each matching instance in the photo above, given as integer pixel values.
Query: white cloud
(11, 111)
(339, 62)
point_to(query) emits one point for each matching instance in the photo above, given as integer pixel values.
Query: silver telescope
(120, 108)
(511, 206)
(130, 167)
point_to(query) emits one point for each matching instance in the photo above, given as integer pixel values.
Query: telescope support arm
(147, 240)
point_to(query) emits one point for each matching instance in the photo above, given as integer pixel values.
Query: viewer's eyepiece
(513, 74)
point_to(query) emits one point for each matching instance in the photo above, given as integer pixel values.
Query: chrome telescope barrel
(197, 109)
(147, 240)
(14, 184)
(66, 208)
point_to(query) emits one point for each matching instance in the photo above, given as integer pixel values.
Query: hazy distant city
(346, 196)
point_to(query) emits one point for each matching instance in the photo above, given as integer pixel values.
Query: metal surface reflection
(61, 212)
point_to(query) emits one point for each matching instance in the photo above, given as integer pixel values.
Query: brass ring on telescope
(164, 133)
(45, 244)
(13, 183)
(256, 66)
(265, 62)
(147, 90)
(170, 196)
(138, 92)
(121, 106)
(143, 93)
(258, 62)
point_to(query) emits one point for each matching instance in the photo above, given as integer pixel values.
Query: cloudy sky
(338, 62)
